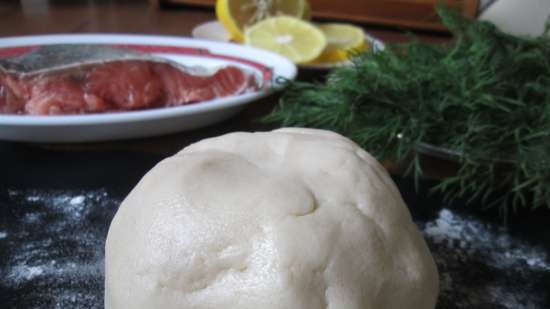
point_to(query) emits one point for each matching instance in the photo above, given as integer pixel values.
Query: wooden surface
(43, 17)
(417, 14)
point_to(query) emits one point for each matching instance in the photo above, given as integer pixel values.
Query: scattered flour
(469, 237)
(31, 218)
(77, 200)
(482, 266)
(57, 260)
(33, 198)
(22, 273)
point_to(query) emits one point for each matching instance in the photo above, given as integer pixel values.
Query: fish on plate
(82, 79)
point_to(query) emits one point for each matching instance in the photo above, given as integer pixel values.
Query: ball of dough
(289, 219)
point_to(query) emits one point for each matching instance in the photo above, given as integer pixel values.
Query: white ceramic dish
(214, 31)
(122, 125)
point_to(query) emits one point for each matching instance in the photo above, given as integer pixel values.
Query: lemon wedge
(298, 40)
(343, 40)
(237, 15)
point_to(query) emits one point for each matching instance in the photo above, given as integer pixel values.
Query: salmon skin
(80, 79)
(59, 57)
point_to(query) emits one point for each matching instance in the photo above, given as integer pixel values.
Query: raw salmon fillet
(184, 88)
(117, 86)
(12, 96)
(125, 85)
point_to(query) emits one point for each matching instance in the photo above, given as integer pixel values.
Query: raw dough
(289, 219)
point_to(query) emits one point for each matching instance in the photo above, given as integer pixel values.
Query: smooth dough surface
(289, 219)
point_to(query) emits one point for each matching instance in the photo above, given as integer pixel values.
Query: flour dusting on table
(482, 266)
(56, 254)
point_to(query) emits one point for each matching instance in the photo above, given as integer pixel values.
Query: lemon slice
(236, 15)
(343, 40)
(298, 40)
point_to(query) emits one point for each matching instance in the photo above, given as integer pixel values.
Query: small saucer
(211, 30)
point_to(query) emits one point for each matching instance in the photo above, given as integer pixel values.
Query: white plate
(214, 31)
(121, 125)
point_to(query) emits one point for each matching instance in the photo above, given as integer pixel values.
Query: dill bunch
(485, 96)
